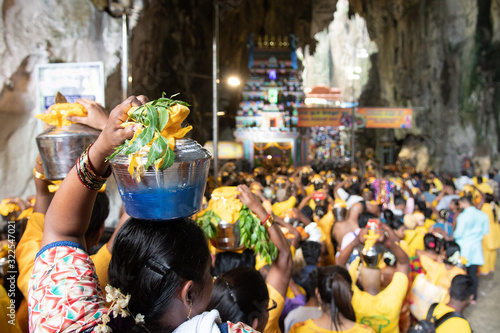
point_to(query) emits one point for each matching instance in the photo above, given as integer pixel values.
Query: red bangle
(267, 218)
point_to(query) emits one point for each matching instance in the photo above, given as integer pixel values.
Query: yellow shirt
(492, 240)
(325, 224)
(438, 184)
(415, 241)
(280, 207)
(455, 325)
(8, 322)
(29, 245)
(272, 325)
(439, 275)
(429, 223)
(310, 327)
(381, 312)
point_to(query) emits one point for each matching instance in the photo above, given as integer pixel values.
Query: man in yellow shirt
(461, 295)
(374, 307)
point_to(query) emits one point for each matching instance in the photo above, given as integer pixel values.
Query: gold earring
(190, 309)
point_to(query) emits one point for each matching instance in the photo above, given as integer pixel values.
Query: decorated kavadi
(160, 174)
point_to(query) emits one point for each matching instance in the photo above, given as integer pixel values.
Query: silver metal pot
(339, 213)
(60, 147)
(371, 257)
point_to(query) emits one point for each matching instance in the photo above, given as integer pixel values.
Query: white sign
(73, 80)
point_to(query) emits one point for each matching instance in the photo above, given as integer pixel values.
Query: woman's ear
(255, 323)
(186, 293)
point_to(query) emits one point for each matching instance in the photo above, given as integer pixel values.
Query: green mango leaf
(157, 149)
(143, 139)
(152, 115)
(118, 150)
(253, 239)
(163, 116)
(169, 158)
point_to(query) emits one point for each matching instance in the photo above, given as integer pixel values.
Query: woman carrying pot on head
(443, 269)
(159, 271)
(334, 294)
(242, 294)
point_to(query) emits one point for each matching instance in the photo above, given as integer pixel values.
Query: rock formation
(440, 57)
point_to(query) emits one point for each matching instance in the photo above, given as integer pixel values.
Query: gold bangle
(38, 174)
(268, 222)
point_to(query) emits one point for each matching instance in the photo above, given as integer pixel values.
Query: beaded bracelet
(86, 172)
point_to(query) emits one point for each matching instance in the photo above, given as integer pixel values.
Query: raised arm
(281, 269)
(69, 213)
(346, 252)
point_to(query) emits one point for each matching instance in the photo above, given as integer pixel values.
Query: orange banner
(365, 117)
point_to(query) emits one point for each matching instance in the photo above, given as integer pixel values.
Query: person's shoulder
(455, 325)
(399, 281)
(300, 327)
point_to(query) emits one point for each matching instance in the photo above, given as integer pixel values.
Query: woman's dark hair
(388, 215)
(311, 284)
(364, 218)
(490, 198)
(240, 295)
(334, 286)
(433, 243)
(226, 261)
(451, 257)
(150, 260)
(395, 223)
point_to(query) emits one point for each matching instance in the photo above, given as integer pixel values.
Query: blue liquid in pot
(163, 204)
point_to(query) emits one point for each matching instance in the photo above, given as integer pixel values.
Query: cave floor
(484, 316)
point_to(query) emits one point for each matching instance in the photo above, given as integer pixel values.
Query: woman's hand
(114, 134)
(250, 200)
(96, 114)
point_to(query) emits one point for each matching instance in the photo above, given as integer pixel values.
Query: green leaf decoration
(156, 150)
(118, 150)
(254, 236)
(169, 158)
(163, 116)
(209, 222)
(251, 234)
(154, 117)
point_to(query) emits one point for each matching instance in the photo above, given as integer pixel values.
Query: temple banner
(365, 117)
(309, 117)
(386, 117)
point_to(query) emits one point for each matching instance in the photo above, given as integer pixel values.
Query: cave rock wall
(39, 32)
(438, 56)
